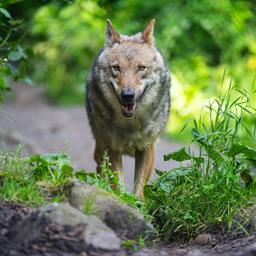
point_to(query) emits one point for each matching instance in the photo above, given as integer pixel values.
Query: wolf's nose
(127, 95)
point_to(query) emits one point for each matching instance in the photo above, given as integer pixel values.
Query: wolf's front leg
(144, 164)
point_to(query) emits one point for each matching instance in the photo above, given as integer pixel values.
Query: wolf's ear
(112, 36)
(147, 35)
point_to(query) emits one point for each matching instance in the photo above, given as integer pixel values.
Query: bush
(218, 183)
(13, 57)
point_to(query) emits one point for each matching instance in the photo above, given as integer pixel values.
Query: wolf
(128, 100)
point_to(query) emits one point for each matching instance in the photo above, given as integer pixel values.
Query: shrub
(210, 189)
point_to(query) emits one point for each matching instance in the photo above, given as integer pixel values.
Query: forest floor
(27, 118)
(56, 240)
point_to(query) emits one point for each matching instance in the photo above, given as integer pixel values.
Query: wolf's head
(129, 65)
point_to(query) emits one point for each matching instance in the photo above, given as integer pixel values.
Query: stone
(126, 221)
(247, 251)
(204, 239)
(196, 252)
(95, 233)
(27, 229)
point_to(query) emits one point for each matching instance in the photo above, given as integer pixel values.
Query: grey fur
(103, 102)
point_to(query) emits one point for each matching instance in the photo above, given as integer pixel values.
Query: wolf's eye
(116, 68)
(141, 68)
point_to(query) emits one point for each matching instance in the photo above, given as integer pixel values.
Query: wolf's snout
(127, 95)
(128, 104)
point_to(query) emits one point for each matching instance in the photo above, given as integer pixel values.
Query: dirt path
(27, 118)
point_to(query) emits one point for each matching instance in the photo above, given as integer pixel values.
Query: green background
(201, 40)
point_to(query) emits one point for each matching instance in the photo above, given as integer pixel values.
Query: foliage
(13, 57)
(67, 46)
(39, 178)
(198, 40)
(218, 182)
(17, 183)
(134, 245)
(54, 168)
(33, 180)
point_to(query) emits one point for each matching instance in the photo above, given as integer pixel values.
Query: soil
(27, 118)
(52, 239)
(55, 240)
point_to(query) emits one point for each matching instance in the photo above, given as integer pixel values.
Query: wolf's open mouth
(128, 109)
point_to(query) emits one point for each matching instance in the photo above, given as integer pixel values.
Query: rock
(196, 252)
(27, 229)
(204, 239)
(63, 214)
(152, 252)
(95, 233)
(126, 221)
(247, 251)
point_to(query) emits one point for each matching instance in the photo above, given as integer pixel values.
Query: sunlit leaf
(16, 55)
(5, 13)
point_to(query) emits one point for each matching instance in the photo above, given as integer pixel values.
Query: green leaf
(149, 192)
(182, 155)
(207, 188)
(158, 172)
(214, 154)
(166, 187)
(28, 80)
(17, 55)
(81, 175)
(198, 137)
(5, 13)
(15, 1)
(187, 216)
(66, 170)
(177, 172)
(237, 149)
(179, 155)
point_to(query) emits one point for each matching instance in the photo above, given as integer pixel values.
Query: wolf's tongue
(128, 109)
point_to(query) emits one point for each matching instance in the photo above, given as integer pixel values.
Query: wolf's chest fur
(136, 133)
(128, 134)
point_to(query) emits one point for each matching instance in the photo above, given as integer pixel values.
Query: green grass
(16, 181)
(33, 180)
(41, 178)
(24, 192)
(216, 183)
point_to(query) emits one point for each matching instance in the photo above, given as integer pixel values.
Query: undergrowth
(213, 185)
(42, 178)
(16, 183)
(209, 190)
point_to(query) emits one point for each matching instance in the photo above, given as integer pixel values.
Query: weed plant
(38, 179)
(209, 189)
(16, 181)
